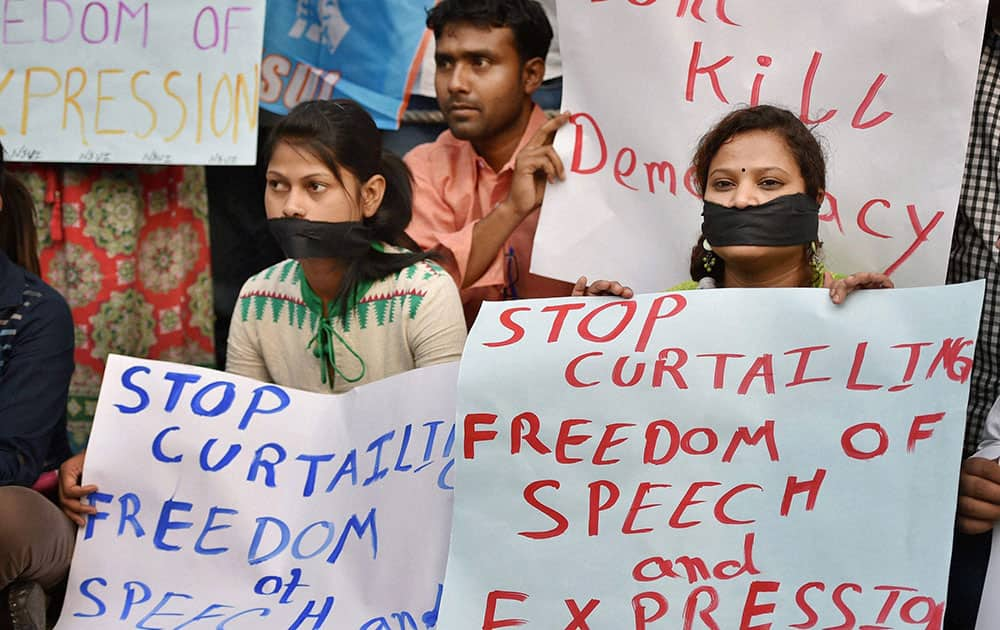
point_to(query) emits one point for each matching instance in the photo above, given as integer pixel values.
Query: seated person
(338, 206)
(368, 303)
(36, 363)
(762, 175)
(479, 185)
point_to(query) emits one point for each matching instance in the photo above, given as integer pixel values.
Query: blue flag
(365, 50)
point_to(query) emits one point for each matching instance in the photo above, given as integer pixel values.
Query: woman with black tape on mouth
(356, 301)
(762, 175)
(338, 206)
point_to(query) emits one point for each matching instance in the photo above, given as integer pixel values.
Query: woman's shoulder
(281, 277)
(423, 286)
(265, 295)
(424, 271)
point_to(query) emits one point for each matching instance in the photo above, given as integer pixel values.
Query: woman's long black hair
(18, 236)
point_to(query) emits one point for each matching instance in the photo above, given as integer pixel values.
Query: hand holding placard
(317, 508)
(730, 458)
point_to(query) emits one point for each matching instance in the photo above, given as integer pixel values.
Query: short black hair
(526, 18)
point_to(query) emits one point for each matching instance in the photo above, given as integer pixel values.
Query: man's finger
(981, 467)
(547, 170)
(973, 526)
(556, 162)
(580, 288)
(969, 507)
(535, 163)
(976, 490)
(547, 132)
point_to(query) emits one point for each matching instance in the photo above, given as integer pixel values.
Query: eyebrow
(306, 176)
(734, 169)
(465, 54)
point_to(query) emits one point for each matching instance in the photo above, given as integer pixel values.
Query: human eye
(771, 183)
(316, 187)
(721, 184)
(443, 63)
(276, 185)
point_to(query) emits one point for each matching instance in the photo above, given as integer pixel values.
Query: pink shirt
(453, 189)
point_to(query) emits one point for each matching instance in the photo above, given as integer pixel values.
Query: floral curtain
(128, 247)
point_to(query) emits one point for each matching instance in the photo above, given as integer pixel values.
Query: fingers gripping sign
(71, 490)
(601, 287)
(978, 495)
(537, 164)
(840, 288)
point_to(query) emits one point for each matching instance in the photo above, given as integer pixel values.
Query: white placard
(130, 81)
(888, 86)
(226, 502)
(739, 458)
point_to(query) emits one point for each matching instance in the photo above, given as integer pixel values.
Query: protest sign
(223, 500)
(887, 85)
(710, 459)
(366, 50)
(157, 82)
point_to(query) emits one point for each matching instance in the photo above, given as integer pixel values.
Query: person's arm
(979, 481)
(437, 333)
(536, 165)
(437, 226)
(34, 386)
(471, 252)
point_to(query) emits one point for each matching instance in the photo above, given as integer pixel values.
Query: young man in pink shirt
(479, 185)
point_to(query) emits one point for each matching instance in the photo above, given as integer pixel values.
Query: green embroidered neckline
(323, 342)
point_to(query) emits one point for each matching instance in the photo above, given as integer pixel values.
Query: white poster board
(888, 86)
(130, 81)
(223, 500)
(734, 457)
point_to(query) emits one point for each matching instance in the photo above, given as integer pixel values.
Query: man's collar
(11, 282)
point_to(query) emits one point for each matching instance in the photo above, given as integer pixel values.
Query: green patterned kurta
(407, 320)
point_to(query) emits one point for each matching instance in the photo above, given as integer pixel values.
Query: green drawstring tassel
(322, 345)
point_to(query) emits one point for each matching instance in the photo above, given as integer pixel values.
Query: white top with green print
(407, 320)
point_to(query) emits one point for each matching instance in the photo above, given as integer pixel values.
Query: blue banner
(360, 49)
